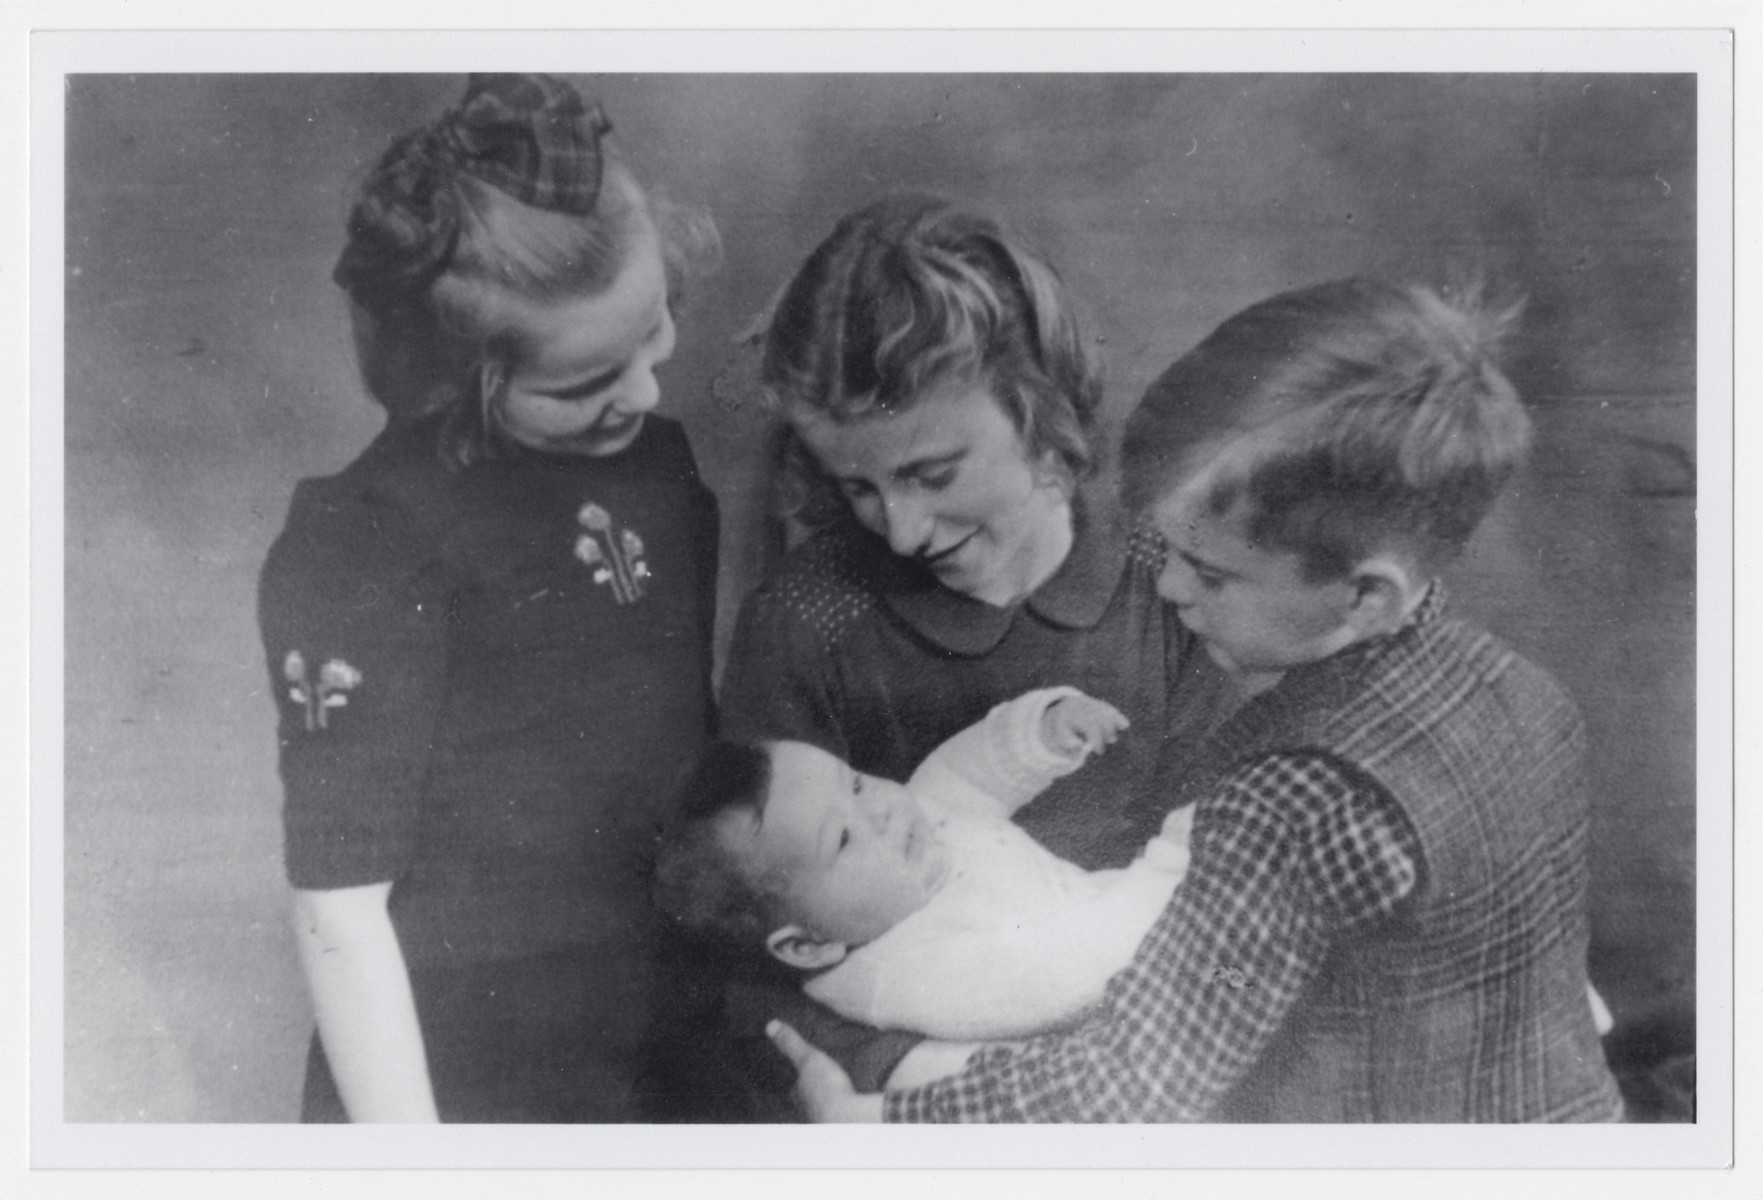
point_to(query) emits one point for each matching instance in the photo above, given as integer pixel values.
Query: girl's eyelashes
(589, 388)
(933, 479)
(937, 473)
(585, 390)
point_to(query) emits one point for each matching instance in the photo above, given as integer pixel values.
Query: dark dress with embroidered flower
(491, 680)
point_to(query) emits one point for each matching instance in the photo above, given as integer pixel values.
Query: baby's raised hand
(1081, 725)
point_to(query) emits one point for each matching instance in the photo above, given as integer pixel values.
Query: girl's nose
(641, 393)
(908, 525)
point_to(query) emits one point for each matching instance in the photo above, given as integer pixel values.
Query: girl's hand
(821, 1084)
(1081, 725)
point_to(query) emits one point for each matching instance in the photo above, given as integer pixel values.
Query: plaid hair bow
(530, 136)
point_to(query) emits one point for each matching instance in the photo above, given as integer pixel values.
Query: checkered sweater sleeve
(1288, 852)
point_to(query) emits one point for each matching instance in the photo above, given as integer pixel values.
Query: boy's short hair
(698, 881)
(1353, 416)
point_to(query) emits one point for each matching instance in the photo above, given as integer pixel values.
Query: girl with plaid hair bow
(490, 633)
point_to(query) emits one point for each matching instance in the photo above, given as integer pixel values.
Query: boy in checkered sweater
(1384, 919)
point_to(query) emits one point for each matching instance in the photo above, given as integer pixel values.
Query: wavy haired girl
(934, 377)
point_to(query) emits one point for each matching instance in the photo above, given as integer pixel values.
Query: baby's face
(856, 853)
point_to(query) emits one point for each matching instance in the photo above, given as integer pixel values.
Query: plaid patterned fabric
(1472, 1006)
(530, 136)
(1400, 939)
(1287, 855)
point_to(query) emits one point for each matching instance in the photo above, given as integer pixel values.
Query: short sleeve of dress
(351, 605)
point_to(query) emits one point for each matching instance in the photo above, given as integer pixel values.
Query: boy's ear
(1385, 591)
(796, 947)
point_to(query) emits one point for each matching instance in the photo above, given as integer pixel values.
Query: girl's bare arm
(366, 1012)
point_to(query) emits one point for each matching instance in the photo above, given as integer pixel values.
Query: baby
(919, 906)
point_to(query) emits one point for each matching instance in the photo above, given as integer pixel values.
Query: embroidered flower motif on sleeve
(336, 678)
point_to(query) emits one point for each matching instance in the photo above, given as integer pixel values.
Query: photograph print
(720, 598)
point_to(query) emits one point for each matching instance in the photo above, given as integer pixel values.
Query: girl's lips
(610, 426)
(940, 557)
(602, 433)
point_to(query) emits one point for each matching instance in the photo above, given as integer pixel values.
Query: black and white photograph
(839, 583)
